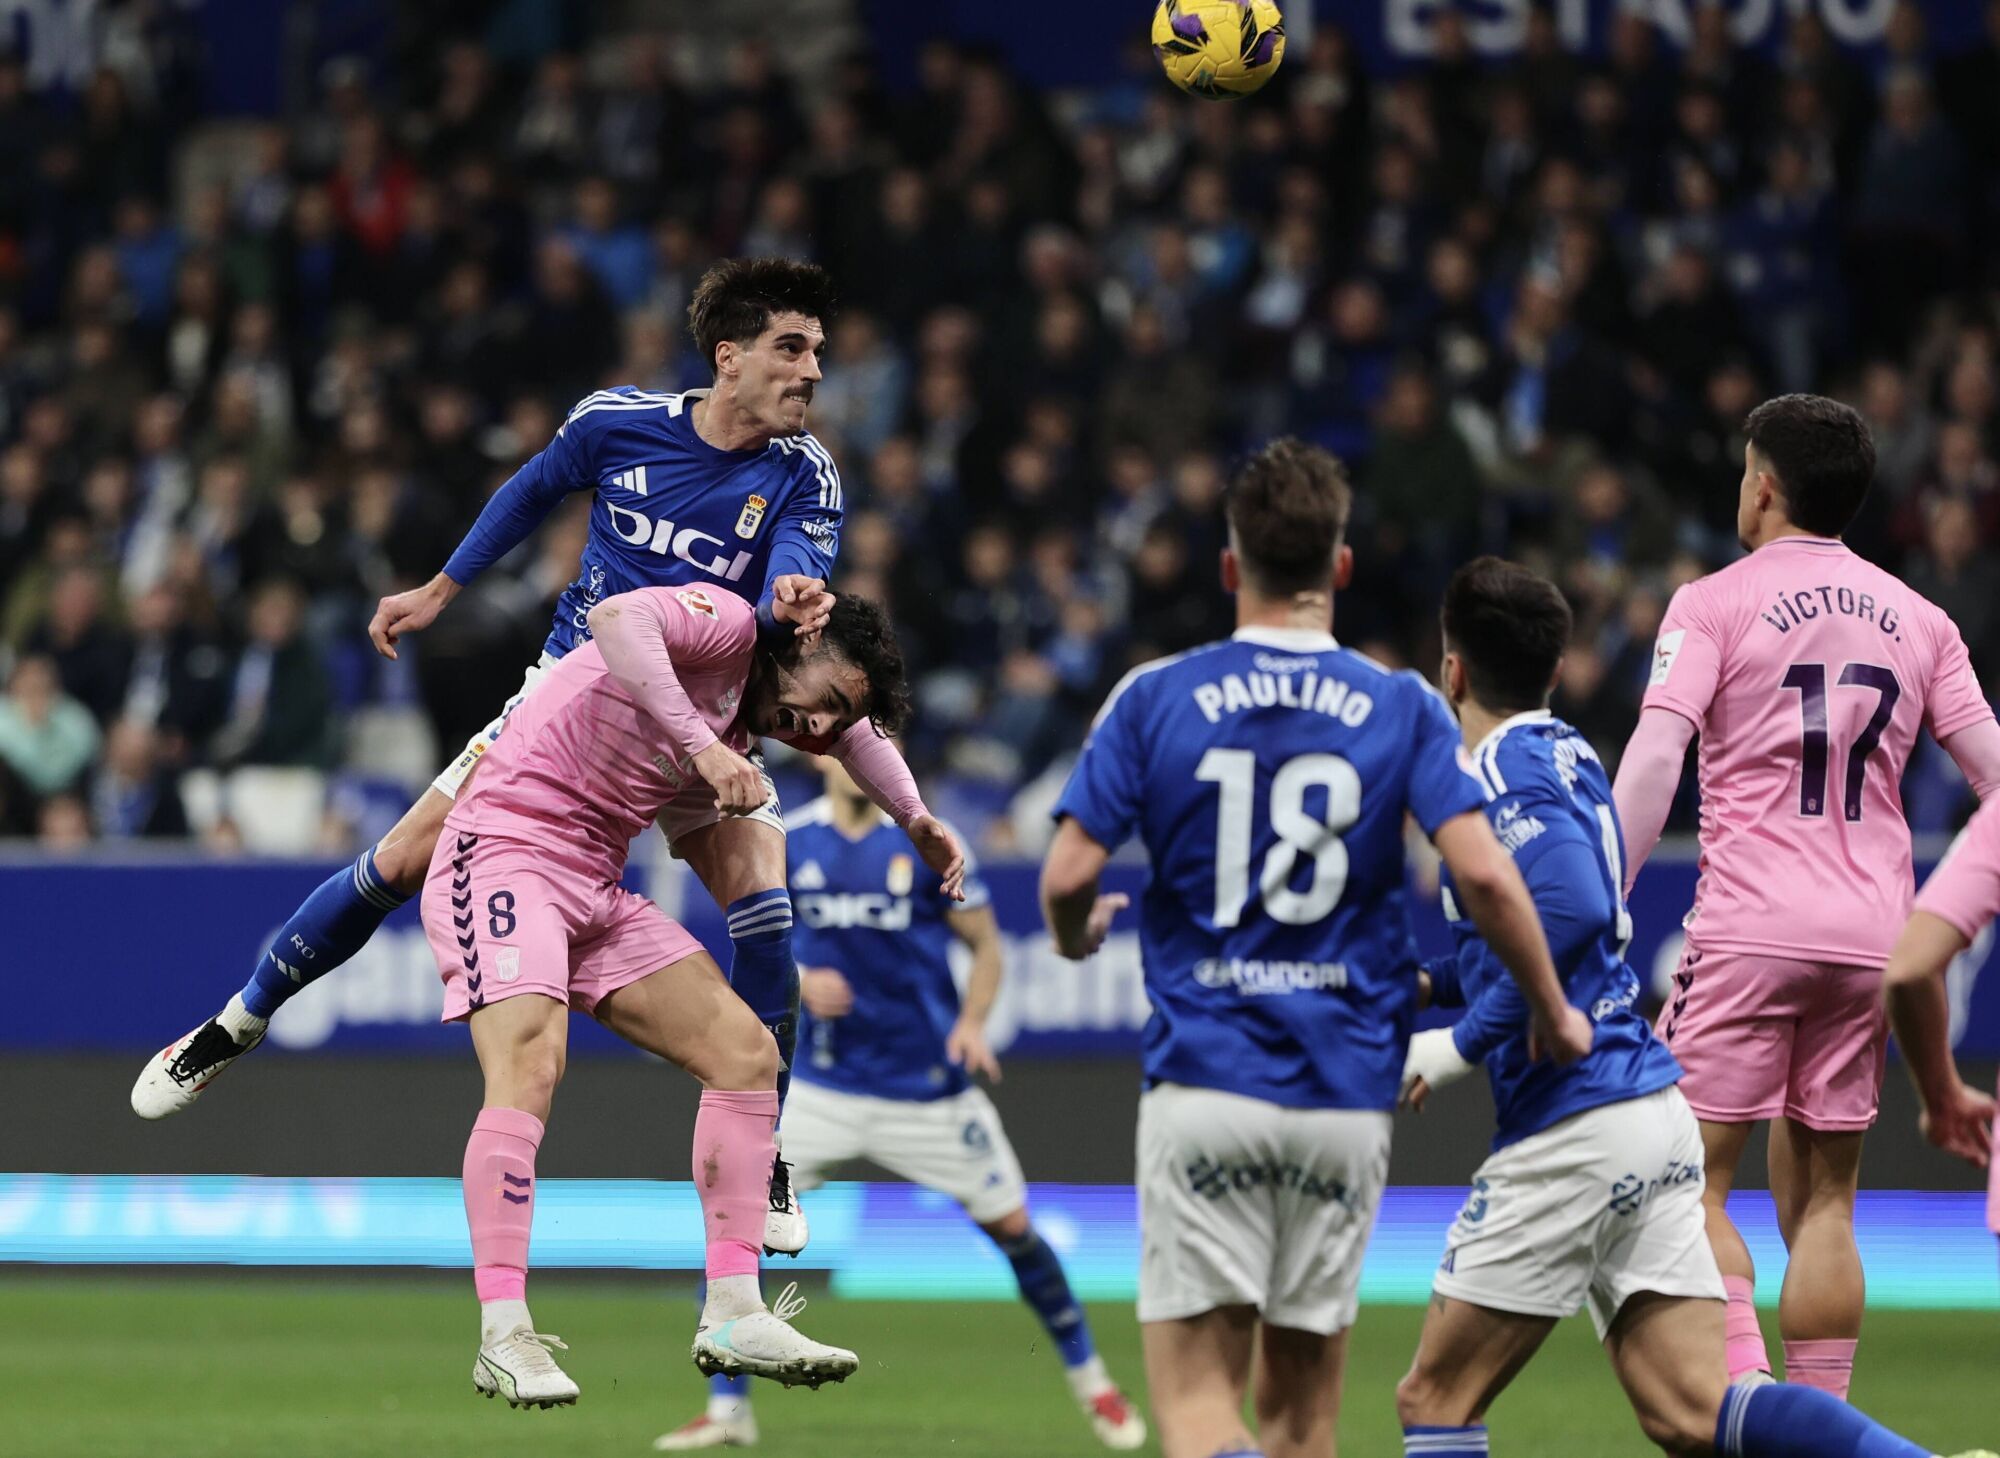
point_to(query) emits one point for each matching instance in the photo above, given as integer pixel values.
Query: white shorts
(954, 1145)
(1594, 1210)
(1245, 1203)
(695, 809)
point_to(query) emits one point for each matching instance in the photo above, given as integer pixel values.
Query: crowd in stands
(256, 374)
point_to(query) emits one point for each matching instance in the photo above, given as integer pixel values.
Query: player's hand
(1568, 1040)
(1423, 989)
(1433, 1060)
(1097, 926)
(409, 612)
(825, 992)
(968, 1048)
(739, 789)
(801, 601)
(1963, 1125)
(941, 852)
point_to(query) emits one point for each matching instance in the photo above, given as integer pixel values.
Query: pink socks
(500, 1200)
(733, 1150)
(1745, 1337)
(1826, 1364)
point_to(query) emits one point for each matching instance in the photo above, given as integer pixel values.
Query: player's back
(1548, 797)
(669, 508)
(1809, 673)
(1268, 777)
(868, 909)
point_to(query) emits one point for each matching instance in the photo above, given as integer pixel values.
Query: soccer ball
(1220, 49)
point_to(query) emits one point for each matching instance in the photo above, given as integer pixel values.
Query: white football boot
(1115, 1420)
(174, 1077)
(739, 1431)
(762, 1343)
(785, 1225)
(519, 1368)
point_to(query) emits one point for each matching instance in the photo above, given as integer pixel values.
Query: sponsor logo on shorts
(1253, 977)
(1474, 1209)
(1214, 1178)
(975, 1136)
(507, 964)
(1629, 1193)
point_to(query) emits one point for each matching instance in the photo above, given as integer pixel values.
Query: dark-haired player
(723, 488)
(653, 720)
(1807, 673)
(1592, 1195)
(1268, 776)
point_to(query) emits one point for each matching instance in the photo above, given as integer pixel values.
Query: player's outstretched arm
(874, 763)
(1649, 772)
(409, 612)
(1497, 900)
(979, 930)
(1957, 1119)
(1078, 918)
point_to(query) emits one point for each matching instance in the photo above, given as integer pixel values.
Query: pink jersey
(1807, 672)
(581, 769)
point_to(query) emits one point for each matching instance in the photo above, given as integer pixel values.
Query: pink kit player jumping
(524, 910)
(1962, 895)
(1807, 672)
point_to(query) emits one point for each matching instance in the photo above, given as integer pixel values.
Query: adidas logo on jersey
(633, 480)
(809, 877)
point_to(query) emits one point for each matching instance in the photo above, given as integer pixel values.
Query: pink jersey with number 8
(1807, 672)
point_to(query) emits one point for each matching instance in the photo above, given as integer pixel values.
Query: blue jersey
(1268, 777)
(871, 910)
(671, 509)
(1550, 803)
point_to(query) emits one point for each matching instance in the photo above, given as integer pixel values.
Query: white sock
(730, 1297)
(1088, 1379)
(498, 1318)
(237, 1021)
(727, 1408)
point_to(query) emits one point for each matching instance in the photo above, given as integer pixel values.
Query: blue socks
(724, 1386)
(1780, 1420)
(330, 926)
(763, 972)
(1046, 1289)
(1433, 1442)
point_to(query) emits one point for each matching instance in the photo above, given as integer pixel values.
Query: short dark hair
(737, 297)
(1287, 510)
(858, 630)
(1509, 626)
(1822, 455)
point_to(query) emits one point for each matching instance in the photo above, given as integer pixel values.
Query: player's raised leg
(521, 1042)
(1667, 1351)
(741, 861)
(688, 1015)
(327, 929)
(1813, 1178)
(1038, 1271)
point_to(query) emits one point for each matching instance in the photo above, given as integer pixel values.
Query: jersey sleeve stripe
(829, 475)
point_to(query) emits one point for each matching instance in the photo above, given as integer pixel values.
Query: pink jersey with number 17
(1807, 672)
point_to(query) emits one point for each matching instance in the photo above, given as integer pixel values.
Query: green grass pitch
(312, 1365)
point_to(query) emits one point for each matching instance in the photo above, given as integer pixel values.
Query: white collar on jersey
(1499, 731)
(1292, 640)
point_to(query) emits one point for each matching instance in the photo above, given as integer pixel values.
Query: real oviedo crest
(752, 516)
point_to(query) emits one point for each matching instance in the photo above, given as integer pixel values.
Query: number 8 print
(500, 908)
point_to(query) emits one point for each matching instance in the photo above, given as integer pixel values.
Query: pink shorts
(503, 921)
(1760, 1037)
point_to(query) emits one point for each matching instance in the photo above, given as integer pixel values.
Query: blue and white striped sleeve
(512, 513)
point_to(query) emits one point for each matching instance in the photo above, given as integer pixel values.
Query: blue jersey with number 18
(1268, 777)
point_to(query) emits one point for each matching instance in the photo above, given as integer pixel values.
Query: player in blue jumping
(1268, 777)
(887, 1054)
(723, 488)
(1592, 1195)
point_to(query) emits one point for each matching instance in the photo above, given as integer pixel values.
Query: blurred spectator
(279, 699)
(131, 795)
(47, 738)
